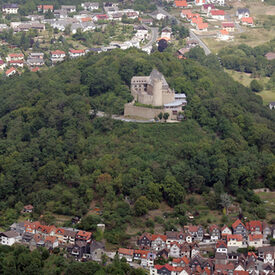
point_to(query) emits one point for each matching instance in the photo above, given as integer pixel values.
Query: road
(122, 118)
(154, 37)
(192, 34)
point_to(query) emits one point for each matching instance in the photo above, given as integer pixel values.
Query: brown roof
(10, 234)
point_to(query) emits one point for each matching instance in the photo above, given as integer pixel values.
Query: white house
(9, 238)
(57, 56)
(76, 53)
(175, 250)
(90, 6)
(255, 240)
(217, 14)
(68, 8)
(221, 247)
(2, 64)
(242, 12)
(271, 107)
(223, 35)
(10, 8)
(141, 32)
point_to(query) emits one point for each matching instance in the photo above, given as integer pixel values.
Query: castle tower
(157, 92)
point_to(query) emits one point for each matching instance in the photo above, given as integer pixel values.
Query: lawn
(267, 96)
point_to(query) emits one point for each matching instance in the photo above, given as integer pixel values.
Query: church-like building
(152, 95)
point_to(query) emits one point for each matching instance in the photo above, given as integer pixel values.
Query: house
(174, 236)
(78, 250)
(198, 263)
(76, 53)
(185, 250)
(247, 21)
(228, 26)
(163, 253)
(45, 8)
(182, 262)
(224, 268)
(10, 8)
(15, 56)
(239, 228)
(83, 236)
(223, 35)
(270, 56)
(215, 233)
(271, 106)
(51, 242)
(235, 241)
(175, 250)
(97, 250)
(267, 254)
(166, 32)
(90, 6)
(242, 12)
(220, 258)
(206, 8)
(59, 233)
(255, 240)
(145, 240)
(68, 8)
(132, 15)
(11, 71)
(221, 247)
(196, 231)
(45, 230)
(28, 208)
(141, 32)
(57, 56)
(9, 238)
(254, 227)
(146, 21)
(185, 13)
(180, 3)
(158, 15)
(2, 64)
(200, 2)
(126, 253)
(158, 242)
(69, 236)
(35, 62)
(100, 17)
(165, 269)
(194, 249)
(36, 55)
(226, 231)
(191, 43)
(196, 20)
(60, 14)
(27, 237)
(202, 26)
(18, 227)
(217, 14)
(147, 258)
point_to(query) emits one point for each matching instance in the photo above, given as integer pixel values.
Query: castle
(152, 95)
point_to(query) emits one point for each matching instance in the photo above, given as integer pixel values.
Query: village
(52, 28)
(242, 248)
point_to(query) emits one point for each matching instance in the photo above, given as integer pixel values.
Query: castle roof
(156, 75)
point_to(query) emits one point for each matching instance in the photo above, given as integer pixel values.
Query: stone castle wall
(140, 112)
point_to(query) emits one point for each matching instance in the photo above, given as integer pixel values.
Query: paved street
(154, 37)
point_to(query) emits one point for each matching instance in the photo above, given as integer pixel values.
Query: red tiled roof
(183, 259)
(253, 224)
(36, 69)
(217, 12)
(50, 239)
(60, 231)
(236, 272)
(84, 234)
(77, 51)
(57, 52)
(202, 26)
(255, 237)
(220, 243)
(236, 223)
(186, 12)
(169, 267)
(16, 55)
(155, 236)
(248, 20)
(180, 3)
(224, 32)
(126, 251)
(10, 70)
(212, 227)
(228, 24)
(235, 236)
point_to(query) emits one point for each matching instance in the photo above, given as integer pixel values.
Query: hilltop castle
(152, 95)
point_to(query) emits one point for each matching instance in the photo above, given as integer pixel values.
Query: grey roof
(180, 95)
(70, 233)
(155, 74)
(10, 234)
(10, 6)
(97, 245)
(266, 249)
(175, 103)
(243, 10)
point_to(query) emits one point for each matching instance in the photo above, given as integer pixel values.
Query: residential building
(254, 227)
(255, 240)
(17, 63)
(126, 253)
(45, 8)
(202, 26)
(69, 236)
(221, 247)
(215, 233)
(15, 56)
(91, 6)
(228, 26)
(28, 208)
(97, 250)
(69, 8)
(242, 12)
(180, 3)
(239, 228)
(10, 8)
(57, 56)
(9, 238)
(271, 106)
(76, 53)
(158, 242)
(223, 35)
(235, 241)
(175, 250)
(83, 236)
(145, 240)
(2, 64)
(247, 21)
(217, 14)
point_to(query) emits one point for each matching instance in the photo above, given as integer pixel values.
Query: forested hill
(58, 158)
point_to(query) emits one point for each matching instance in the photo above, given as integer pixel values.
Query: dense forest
(19, 260)
(59, 157)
